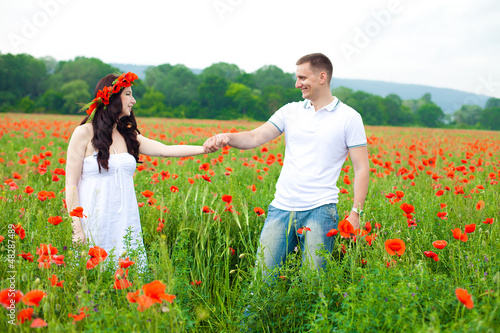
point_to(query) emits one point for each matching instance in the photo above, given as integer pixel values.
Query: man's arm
(359, 158)
(247, 139)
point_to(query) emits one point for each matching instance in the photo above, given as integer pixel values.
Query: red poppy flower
(432, 255)
(205, 166)
(28, 190)
(1, 238)
(407, 208)
(390, 195)
(97, 255)
(147, 193)
(33, 297)
(346, 229)
(38, 322)
(368, 226)
(54, 281)
(443, 205)
(303, 230)
(470, 228)
(480, 205)
(25, 315)
(439, 193)
(464, 297)
(10, 296)
(191, 181)
(125, 263)
(457, 234)
(26, 256)
(440, 244)
(489, 220)
(78, 212)
(442, 215)
(400, 194)
(55, 220)
(153, 292)
(227, 198)
(332, 233)
(395, 246)
(207, 210)
(370, 238)
(195, 283)
(259, 211)
(207, 178)
(18, 229)
(121, 281)
(174, 189)
(79, 316)
(347, 181)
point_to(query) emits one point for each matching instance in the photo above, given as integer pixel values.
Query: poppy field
(425, 259)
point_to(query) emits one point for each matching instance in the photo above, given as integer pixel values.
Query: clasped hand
(215, 142)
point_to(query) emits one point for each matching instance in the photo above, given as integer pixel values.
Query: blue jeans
(279, 235)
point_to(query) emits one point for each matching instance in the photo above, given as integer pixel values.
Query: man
(319, 132)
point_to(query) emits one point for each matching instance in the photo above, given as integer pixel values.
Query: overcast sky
(449, 44)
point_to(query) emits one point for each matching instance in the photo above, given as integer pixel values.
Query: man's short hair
(318, 61)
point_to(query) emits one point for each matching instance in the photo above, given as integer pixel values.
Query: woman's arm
(155, 148)
(74, 164)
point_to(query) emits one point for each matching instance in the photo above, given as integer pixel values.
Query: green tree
(374, 110)
(213, 100)
(397, 113)
(152, 105)
(430, 115)
(51, 101)
(90, 70)
(178, 83)
(272, 75)
(22, 75)
(490, 118)
(230, 72)
(246, 103)
(492, 103)
(75, 94)
(342, 93)
(467, 115)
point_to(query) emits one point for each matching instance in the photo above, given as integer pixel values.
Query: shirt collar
(330, 107)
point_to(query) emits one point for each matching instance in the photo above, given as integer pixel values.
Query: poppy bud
(46, 307)
(58, 308)
(37, 281)
(82, 279)
(24, 277)
(232, 271)
(165, 309)
(124, 253)
(242, 255)
(240, 278)
(83, 253)
(163, 236)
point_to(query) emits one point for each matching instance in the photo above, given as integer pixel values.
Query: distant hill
(449, 100)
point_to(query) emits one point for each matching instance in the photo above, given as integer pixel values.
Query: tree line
(220, 91)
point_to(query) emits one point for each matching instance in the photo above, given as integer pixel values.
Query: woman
(101, 161)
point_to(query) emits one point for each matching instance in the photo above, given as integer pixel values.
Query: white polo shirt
(317, 143)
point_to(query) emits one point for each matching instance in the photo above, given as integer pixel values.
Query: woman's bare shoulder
(84, 131)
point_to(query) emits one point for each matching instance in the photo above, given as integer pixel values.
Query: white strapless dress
(108, 200)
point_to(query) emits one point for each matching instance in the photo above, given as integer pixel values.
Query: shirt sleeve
(355, 132)
(278, 119)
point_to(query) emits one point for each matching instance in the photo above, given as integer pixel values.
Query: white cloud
(446, 44)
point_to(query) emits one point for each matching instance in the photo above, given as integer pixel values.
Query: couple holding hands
(320, 132)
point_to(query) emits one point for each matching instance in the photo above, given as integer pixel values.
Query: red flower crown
(103, 95)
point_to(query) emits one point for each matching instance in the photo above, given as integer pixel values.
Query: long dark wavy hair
(105, 119)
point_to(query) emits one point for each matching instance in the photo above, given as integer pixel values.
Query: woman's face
(128, 101)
